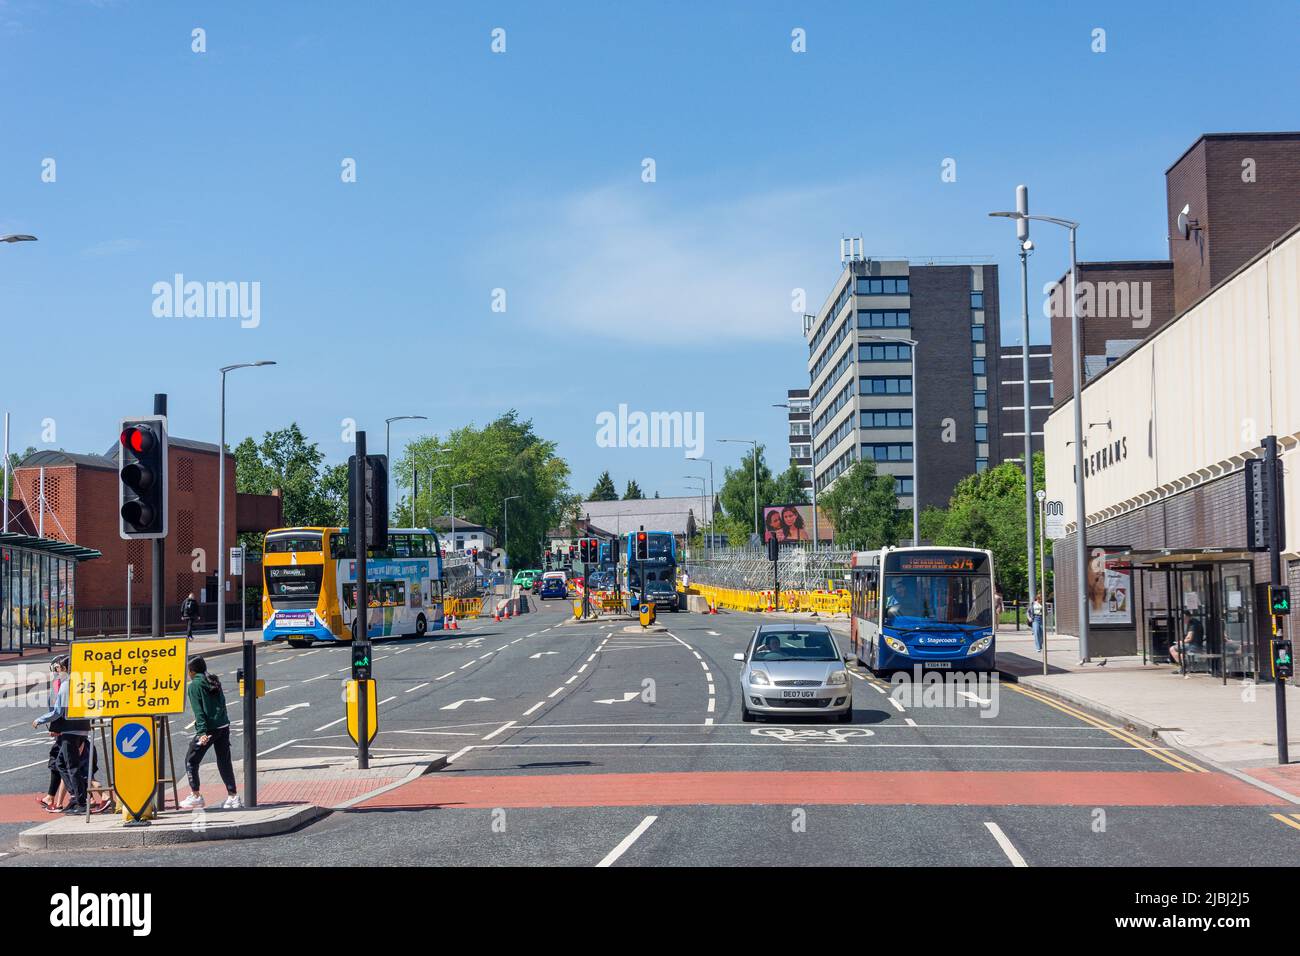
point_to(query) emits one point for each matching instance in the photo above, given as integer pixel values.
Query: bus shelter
(38, 587)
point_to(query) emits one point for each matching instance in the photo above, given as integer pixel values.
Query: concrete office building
(1170, 424)
(862, 395)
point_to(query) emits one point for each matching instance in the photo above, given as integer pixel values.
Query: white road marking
(857, 675)
(711, 702)
(571, 680)
(910, 722)
(444, 676)
(540, 703)
(403, 650)
(468, 700)
(708, 721)
(501, 648)
(286, 710)
(697, 655)
(897, 706)
(534, 634)
(628, 696)
(713, 633)
(540, 654)
(26, 766)
(626, 842)
(329, 725)
(274, 689)
(1012, 853)
(317, 677)
(589, 660)
(310, 653)
(417, 687)
(516, 640)
(470, 664)
(269, 750)
(582, 668)
(704, 665)
(487, 655)
(459, 753)
(558, 690)
(386, 700)
(506, 726)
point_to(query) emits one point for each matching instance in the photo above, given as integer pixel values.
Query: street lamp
(1081, 518)
(221, 500)
(916, 452)
(505, 507)
(700, 479)
(4, 491)
(750, 441)
(388, 428)
(17, 237)
(713, 501)
(1026, 246)
(786, 406)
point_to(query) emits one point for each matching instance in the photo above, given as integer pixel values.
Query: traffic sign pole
(250, 721)
(1275, 518)
(360, 539)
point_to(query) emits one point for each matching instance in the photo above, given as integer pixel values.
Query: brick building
(79, 503)
(1170, 423)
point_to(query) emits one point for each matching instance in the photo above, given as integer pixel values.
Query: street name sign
(131, 678)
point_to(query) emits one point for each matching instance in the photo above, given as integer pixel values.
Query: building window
(981, 464)
(978, 367)
(981, 433)
(799, 428)
(800, 451)
(897, 285)
(977, 300)
(977, 333)
(883, 319)
(887, 419)
(884, 353)
(902, 486)
(981, 399)
(887, 451)
(885, 384)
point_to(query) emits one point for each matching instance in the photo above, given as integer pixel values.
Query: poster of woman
(1109, 590)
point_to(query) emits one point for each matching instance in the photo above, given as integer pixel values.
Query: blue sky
(522, 171)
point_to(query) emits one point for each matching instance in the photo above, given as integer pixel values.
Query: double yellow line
(1160, 753)
(1292, 821)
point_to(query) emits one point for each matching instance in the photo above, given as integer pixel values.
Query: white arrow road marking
(128, 746)
(626, 842)
(533, 657)
(712, 633)
(627, 696)
(467, 700)
(975, 697)
(286, 710)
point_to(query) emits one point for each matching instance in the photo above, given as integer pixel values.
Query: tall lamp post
(1081, 514)
(388, 440)
(221, 502)
(4, 491)
(916, 452)
(703, 487)
(749, 441)
(713, 501)
(786, 406)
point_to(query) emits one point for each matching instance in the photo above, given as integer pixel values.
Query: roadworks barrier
(462, 607)
(768, 601)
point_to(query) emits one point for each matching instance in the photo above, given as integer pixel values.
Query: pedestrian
(997, 608)
(1192, 640)
(1036, 621)
(72, 745)
(53, 799)
(211, 730)
(189, 614)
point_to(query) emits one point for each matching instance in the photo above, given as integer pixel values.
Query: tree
(737, 491)
(787, 488)
(863, 507)
(604, 490)
(987, 510)
(633, 492)
(15, 460)
(287, 461)
(504, 458)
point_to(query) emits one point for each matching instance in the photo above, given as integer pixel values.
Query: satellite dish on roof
(1185, 224)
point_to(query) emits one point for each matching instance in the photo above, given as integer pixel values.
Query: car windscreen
(794, 646)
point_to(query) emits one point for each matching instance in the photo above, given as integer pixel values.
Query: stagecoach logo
(1108, 455)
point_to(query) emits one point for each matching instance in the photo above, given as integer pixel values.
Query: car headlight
(838, 677)
(980, 646)
(759, 678)
(896, 645)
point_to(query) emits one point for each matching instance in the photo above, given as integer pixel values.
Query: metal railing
(797, 569)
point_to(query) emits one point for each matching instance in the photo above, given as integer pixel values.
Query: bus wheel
(353, 629)
(299, 643)
(421, 626)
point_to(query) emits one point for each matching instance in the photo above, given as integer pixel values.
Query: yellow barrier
(738, 599)
(463, 607)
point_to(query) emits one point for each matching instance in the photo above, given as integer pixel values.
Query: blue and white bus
(660, 563)
(925, 606)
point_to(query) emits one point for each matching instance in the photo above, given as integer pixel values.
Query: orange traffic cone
(496, 615)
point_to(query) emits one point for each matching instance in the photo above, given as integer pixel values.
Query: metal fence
(797, 569)
(458, 577)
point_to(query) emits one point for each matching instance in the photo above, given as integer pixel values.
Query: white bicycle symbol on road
(831, 735)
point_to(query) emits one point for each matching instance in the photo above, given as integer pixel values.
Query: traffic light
(361, 660)
(1283, 663)
(773, 548)
(1279, 599)
(142, 470)
(642, 546)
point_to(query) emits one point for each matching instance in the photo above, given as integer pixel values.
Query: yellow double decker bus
(310, 583)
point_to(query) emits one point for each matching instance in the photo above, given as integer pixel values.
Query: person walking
(71, 746)
(1036, 622)
(189, 614)
(211, 730)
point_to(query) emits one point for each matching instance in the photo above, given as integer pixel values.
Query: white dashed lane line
(506, 726)
(626, 842)
(417, 687)
(445, 676)
(558, 690)
(533, 709)
(1012, 853)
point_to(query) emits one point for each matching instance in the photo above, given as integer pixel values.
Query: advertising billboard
(1110, 589)
(790, 523)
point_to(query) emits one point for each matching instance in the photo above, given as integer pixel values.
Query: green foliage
(863, 508)
(604, 490)
(286, 460)
(737, 491)
(504, 458)
(987, 510)
(15, 460)
(787, 488)
(634, 492)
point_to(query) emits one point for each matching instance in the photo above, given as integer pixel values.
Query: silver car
(794, 669)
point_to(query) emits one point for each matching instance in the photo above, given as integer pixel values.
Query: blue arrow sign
(132, 740)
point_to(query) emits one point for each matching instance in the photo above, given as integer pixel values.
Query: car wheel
(421, 626)
(847, 716)
(746, 715)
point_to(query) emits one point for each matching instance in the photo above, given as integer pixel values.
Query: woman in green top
(211, 729)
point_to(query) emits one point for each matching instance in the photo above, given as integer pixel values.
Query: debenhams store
(1168, 429)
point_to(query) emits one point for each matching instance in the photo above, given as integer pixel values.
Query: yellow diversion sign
(135, 767)
(354, 711)
(138, 677)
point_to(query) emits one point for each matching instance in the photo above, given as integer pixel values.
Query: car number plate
(938, 663)
(798, 693)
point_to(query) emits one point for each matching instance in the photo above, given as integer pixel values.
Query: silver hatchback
(794, 669)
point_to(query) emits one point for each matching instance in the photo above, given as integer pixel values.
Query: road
(589, 744)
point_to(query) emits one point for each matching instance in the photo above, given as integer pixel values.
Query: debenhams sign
(1108, 455)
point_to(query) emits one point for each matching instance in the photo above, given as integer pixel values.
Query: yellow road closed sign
(372, 711)
(135, 767)
(138, 677)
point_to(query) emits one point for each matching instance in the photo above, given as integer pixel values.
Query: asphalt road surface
(589, 744)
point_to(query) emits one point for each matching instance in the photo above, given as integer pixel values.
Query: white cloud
(632, 264)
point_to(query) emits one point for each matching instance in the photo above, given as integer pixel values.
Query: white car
(794, 669)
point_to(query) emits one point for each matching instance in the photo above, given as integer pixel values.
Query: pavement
(586, 744)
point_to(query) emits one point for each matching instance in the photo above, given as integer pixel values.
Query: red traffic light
(137, 439)
(640, 536)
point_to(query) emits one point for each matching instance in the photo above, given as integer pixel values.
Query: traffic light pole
(358, 519)
(1275, 518)
(159, 553)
